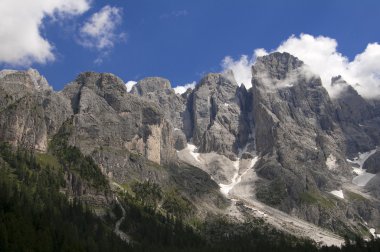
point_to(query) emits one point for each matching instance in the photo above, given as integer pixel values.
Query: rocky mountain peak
(345, 88)
(151, 84)
(100, 81)
(276, 65)
(217, 106)
(220, 80)
(30, 78)
(337, 80)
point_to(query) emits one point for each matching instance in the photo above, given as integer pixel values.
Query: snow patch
(338, 193)
(363, 177)
(373, 232)
(362, 158)
(358, 171)
(331, 162)
(192, 148)
(226, 188)
(226, 104)
(236, 179)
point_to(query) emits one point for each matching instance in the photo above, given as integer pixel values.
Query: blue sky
(182, 40)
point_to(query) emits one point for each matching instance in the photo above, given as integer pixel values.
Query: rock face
(294, 118)
(357, 118)
(105, 115)
(30, 111)
(173, 106)
(216, 115)
(220, 113)
(297, 136)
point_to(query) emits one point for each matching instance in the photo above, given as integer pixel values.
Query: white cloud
(321, 55)
(21, 23)
(130, 85)
(99, 31)
(365, 69)
(242, 67)
(182, 89)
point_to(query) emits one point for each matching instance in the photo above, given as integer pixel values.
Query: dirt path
(117, 230)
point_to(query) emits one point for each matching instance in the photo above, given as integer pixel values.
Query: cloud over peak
(321, 55)
(129, 85)
(183, 88)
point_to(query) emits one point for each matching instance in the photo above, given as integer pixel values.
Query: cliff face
(359, 119)
(219, 112)
(105, 115)
(171, 105)
(296, 128)
(30, 111)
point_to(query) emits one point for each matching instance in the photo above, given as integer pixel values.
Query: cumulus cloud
(129, 85)
(182, 89)
(321, 55)
(20, 30)
(242, 67)
(100, 30)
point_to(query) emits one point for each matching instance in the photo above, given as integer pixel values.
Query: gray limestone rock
(296, 133)
(107, 116)
(219, 111)
(30, 111)
(372, 164)
(356, 117)
(172, 106)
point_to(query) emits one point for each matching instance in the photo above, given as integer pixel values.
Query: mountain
(283, 151)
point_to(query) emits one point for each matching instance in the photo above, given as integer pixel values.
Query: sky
(183, 40)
